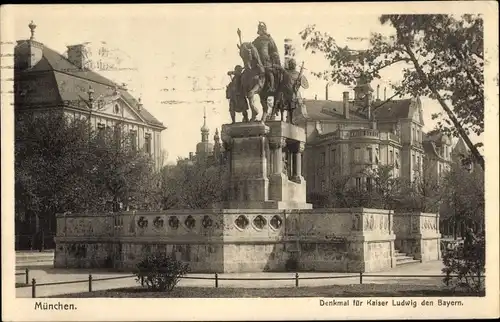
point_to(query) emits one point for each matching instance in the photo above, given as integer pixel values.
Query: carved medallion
(241, 222)
(173, 222)
(190, 222)
(158, 222)
(259, 222)
(276, 222)
(142, 222)
(207, 222)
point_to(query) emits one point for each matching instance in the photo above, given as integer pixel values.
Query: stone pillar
(276, 145)
(298, 163)
(277, 179)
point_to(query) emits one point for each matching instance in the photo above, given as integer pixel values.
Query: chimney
(385, 93)
(315, 97)
(139, 104)
(28, 53)
(378, 91)
(191, 155)
(326, 91)
(78, 55)
(346, 104)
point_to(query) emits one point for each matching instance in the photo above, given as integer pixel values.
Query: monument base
(231, 240)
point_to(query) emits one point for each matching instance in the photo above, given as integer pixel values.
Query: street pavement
(50, 275)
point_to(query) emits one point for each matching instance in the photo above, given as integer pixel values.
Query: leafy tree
(463, 198)
(441, 57)
(464, 266)
(380, 191)
(424, 194)
(62, 166)
(50, 156)
(195, 185)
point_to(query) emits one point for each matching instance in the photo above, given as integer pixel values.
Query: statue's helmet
(261, 27)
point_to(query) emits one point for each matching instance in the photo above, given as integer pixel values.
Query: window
(397, 160)
(369, 155)
(413, 162)
(133, 140)
(118, 136)
(323, 186)
(358, 183)
(418, 162)
(376, 155)
(369, 184)
(323, 159)
(391, 157)
(147, 143)
(357, 155)
(334, 157)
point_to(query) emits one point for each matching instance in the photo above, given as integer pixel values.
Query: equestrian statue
(262, 74)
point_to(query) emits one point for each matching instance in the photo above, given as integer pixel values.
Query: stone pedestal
(417, 235)
(266, 165)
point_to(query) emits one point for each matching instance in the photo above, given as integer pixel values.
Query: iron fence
(216, 278)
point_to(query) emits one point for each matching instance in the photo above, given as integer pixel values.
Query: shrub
(160, 272)
(464, 266)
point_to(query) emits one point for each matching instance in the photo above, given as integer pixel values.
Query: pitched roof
(430, 149)
(325, 110)
(54, 80)
(393, 109)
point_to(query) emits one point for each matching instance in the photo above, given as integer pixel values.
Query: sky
(176, 57)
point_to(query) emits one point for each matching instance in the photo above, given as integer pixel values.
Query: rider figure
(234, 92)
(268, 52)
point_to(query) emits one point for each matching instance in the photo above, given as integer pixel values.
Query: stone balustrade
(231, 240)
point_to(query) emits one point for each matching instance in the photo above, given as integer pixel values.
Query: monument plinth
(265, 165)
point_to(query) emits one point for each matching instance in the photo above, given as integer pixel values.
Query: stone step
(35, 255)
(35, 258)
(406, 261)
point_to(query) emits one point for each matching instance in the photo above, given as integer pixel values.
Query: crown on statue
(262, 26)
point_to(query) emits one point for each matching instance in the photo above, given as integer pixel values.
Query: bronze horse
(254, 82)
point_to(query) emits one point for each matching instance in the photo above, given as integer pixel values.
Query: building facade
(352, 137)
(47, 82)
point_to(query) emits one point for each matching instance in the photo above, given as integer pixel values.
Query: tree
(463, 198)
(63, 166)
(441, 57)
(122, 174)
(50, 156)
(380, 190)
(196, 185)
(424, 194)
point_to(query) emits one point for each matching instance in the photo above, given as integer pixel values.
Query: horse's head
(249, 54)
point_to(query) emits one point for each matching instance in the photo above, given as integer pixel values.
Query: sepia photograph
(334, 153)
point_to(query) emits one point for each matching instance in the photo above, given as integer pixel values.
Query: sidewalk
(50, 275)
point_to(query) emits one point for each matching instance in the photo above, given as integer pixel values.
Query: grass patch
(355, 290)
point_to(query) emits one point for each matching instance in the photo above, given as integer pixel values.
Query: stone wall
(225, 240)
(417, 234)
